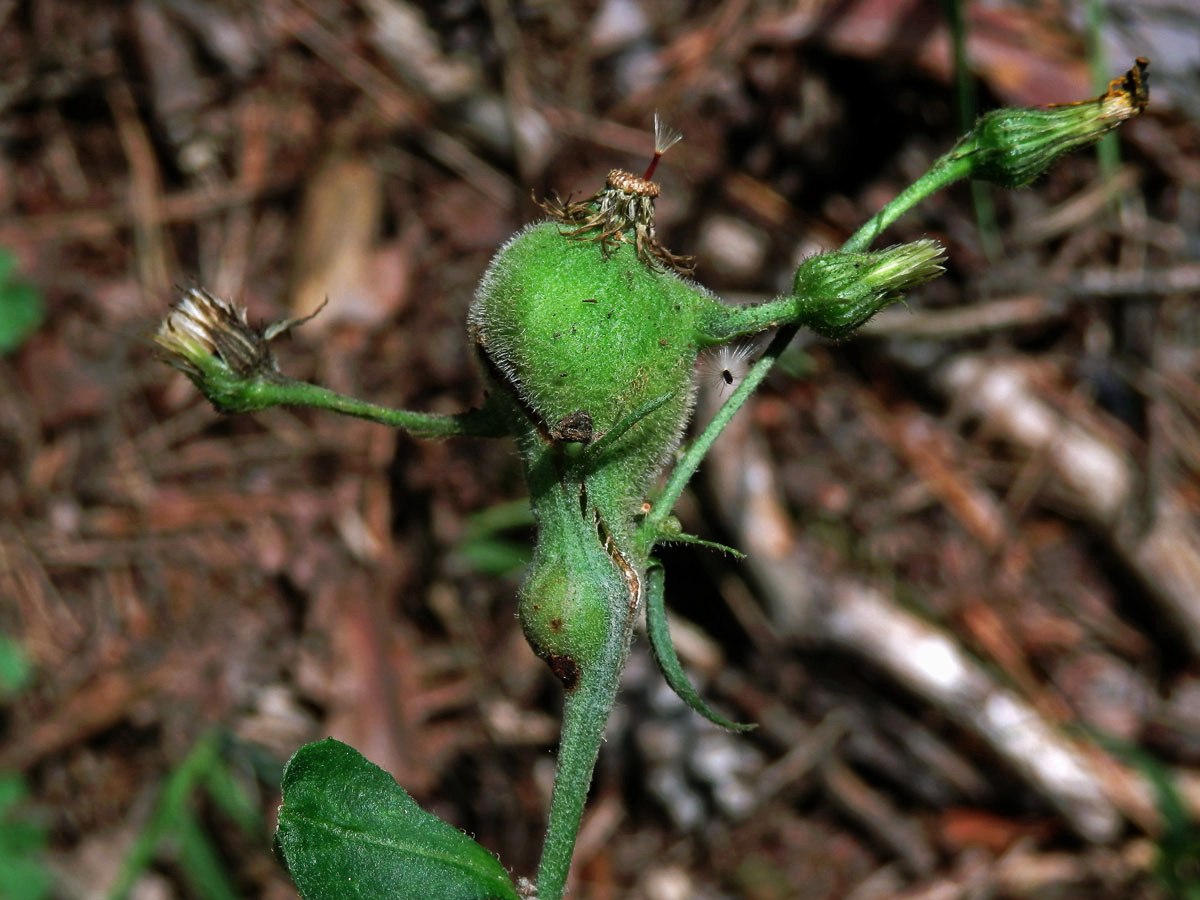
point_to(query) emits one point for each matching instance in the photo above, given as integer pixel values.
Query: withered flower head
(1126, 96)
(201, 327)
(212, 342)
(624, 207)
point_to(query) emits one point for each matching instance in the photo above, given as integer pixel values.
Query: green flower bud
(840, 290)
(1012, 147)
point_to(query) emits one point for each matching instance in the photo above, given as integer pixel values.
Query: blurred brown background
(970, 619)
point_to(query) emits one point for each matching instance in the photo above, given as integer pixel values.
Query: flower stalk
(230, 361)
(1012, 147)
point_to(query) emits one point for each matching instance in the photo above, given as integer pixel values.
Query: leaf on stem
(668, 662)
(22, 309)
(346, 829)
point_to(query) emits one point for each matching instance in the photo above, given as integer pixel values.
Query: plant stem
(286, 392)
(964, 94)
(946, 170)
(651, 528)
(585, 713)
(1108, 150)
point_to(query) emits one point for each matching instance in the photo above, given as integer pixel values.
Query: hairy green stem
(652, 528)
(286, 392)
(585, 713)
(945, 171)
(725, 323)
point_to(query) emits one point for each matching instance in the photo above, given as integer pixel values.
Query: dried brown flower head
(200, 325)
(624, 207)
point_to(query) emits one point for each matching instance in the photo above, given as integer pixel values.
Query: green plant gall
(581, 332)
(588, 331)
(587, 334)
(566, 606)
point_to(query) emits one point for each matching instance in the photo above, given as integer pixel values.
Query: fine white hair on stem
(665, 137)
(724, 367)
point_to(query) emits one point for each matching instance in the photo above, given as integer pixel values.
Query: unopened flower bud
(844, 289)
(1012, 147)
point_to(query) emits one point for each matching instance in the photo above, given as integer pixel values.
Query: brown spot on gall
(565, 670)
(574, 427)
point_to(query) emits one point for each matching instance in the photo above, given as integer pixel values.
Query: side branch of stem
(473, 423)
(947, 170)
(741, 320)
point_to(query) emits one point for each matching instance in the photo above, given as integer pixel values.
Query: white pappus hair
(724, 367)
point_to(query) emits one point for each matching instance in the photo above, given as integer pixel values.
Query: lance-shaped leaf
(346, 829)
(668, 662)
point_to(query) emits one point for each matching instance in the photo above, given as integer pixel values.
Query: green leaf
(483, 547)
(12, 791)
(176, 826)
(15, 668)
(23, 874)
(23, 878)
(21, 308)
(668, 662)
(493, 557)
(231, 797)
(346, 829)
(201, 863)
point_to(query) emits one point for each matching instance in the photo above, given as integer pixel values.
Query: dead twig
(925, 660)
(1098, 477)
